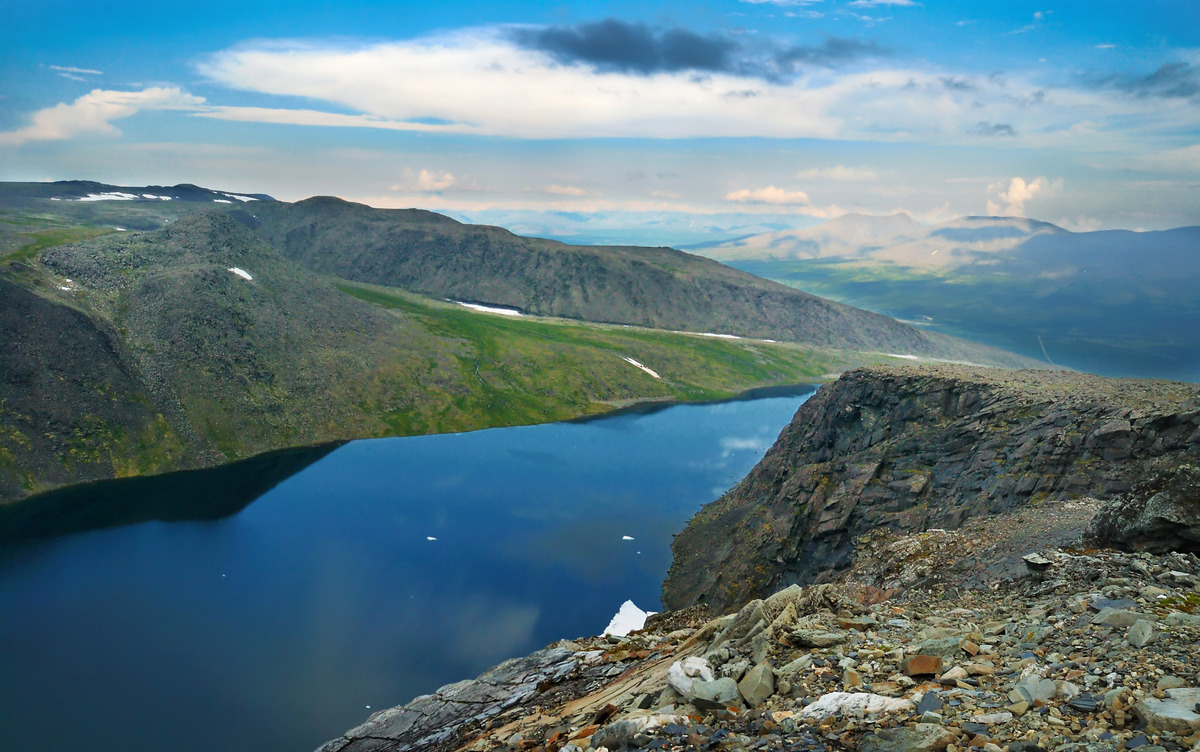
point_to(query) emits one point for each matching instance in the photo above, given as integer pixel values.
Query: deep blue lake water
(274, 628)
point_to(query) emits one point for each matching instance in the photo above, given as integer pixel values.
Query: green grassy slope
(221, 367)
(654, 287)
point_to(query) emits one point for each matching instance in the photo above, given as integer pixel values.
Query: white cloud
(73, 69)
(1014, 197)
(479, 81)
(839, 173)
(880, 3)
(565, 190)
(768, 195)
(94, 112)
(428, 181)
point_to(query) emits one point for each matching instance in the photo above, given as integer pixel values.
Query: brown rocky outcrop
(922, 447)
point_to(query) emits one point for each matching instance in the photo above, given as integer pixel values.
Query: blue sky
(648, 122)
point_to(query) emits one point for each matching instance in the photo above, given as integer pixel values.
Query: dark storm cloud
(834, 51)
(983, 128)
(631, 48)
(614, 45)
(1172, 80)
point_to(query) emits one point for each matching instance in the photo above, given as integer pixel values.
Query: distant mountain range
(1114, 302)
(241, 325)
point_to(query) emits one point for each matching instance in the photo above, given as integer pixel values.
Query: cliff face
(912, 448)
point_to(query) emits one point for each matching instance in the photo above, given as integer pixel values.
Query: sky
(652, 122)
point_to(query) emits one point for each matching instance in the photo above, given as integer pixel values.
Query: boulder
(1176, 712)
(921, 665)
(757, 685)
(715, 695)
(843, 703)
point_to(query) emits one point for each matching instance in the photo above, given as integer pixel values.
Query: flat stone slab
(1176, 712)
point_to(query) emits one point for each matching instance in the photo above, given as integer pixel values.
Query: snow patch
(120, 229)
(109, 196)
(151, 196)
(222, 201)
(490, 309)
(628, 618)
(636, 364)
(719, 336)
(241, 273)
(906, 357)
(241, 198)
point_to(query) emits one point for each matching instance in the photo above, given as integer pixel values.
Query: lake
(292, 596)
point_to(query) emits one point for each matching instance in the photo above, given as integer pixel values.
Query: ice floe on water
(626, 537)
(240, 272)
(490, 309)
(627, 619)
(633, 362)
(430, 538)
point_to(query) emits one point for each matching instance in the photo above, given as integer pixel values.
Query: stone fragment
(1084, 703)
(921, 665)
(930, 716)
(813, 638)
(1036, 562)
(683, 674)
(715, 695)
(851, 679)
(944, 647)
(1019, 708)
(923, 737)
(620, 734)
(841, 703)
(1113, 617)
(1181, 619)
(1170, 682)
(929, 702)
(955, 674)
(1065, 690)
(735, 669)
(1140, 634)
(758, 684)
(1035, 690)
(1176, 712)
(989, 719)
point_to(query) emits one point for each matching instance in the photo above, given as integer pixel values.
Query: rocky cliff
(913, 448)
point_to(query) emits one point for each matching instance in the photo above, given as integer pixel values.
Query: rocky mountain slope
(656, 287)
(1085, 650)
(1012, 631)
(913, 448)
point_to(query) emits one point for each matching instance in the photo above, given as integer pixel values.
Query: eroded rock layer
(918, 447)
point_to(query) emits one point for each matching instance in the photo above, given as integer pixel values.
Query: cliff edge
(913, 448)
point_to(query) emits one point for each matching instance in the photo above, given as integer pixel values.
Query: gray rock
(1176, 712)
(1162, 515)
(945, 647)
(1036, 690)
(815, 638)
(929, 702)
(1112, 617)
(758, 684)
(715, 695)
(1181, 619)
(434, 721)
(923, 737)
(735, 669)
(1140, 634)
